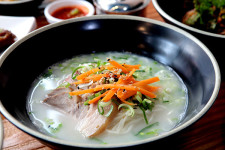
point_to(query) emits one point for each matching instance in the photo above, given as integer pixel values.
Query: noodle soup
(136, 117)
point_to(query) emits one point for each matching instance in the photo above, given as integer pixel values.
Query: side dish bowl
(27, 58)
(19, 7)
(54, 6)
(174, 11)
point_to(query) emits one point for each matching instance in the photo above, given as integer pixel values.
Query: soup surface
(132, 122)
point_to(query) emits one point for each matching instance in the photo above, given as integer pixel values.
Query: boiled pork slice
(88, 121)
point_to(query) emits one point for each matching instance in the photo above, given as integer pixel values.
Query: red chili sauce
(68, 12)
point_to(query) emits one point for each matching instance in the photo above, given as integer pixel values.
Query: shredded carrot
(131, 66)
(131, 73)
(147, 81)
(111, 67)
(119, 86)
(109, 95)
(98, 98)
(126, 87)
(82, 92)
(124, 94)
(119, 66)
(126, 102)
(89, 78)
(149, 87)
(83, 75)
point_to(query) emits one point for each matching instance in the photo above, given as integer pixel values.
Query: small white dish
(19, 26)
(50, 8)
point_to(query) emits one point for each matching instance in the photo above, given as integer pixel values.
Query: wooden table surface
(207, 133)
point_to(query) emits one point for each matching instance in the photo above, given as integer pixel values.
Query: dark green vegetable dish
(208, 15)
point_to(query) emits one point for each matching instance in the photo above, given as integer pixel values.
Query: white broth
(169, 106)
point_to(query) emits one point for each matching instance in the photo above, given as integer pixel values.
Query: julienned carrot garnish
(109, 95)
(94, 78)
(126, 102)
(82, 76)
(98, 98)
(131, 66)
(119, 66)
(147, 81)
(81, 92)
(120, 83)
(112, 92)
(131, 73)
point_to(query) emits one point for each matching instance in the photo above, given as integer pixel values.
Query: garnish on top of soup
(115, 97)
(68, 12)
(207, 15)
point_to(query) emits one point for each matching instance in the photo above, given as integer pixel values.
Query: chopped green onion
(147, 104)
(121, 57)
(145, 128)
(99, 140)
(115, 101)
(138, 97)
(140, 71)
(30, 112)
(55, 129)
(134, 76)
(110, 111)
(75, 11)
(143, 110)
(64, 84)
(101, 112)
(153, 132)
(48, 74)
(49, 121)
(130, 109)
(104, 104)
(73, 73)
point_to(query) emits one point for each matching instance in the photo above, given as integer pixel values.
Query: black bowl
(27, 58)
(173, 12)
(20, 7)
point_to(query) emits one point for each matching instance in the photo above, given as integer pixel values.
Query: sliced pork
(88, 121)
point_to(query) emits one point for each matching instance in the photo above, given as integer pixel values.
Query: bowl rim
(14, 2)
(171, 19)
(58, 4)
(127, 144)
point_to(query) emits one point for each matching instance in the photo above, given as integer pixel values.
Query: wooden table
(207, 133)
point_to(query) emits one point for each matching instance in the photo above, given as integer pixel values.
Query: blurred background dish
(122, 7)
(20, 26)
(19, 7)
(174, 11)
(14, 28)
(68, 9)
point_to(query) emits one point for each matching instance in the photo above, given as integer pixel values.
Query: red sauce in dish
(68, 12)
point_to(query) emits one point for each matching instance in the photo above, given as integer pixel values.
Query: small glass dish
(120, 7)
